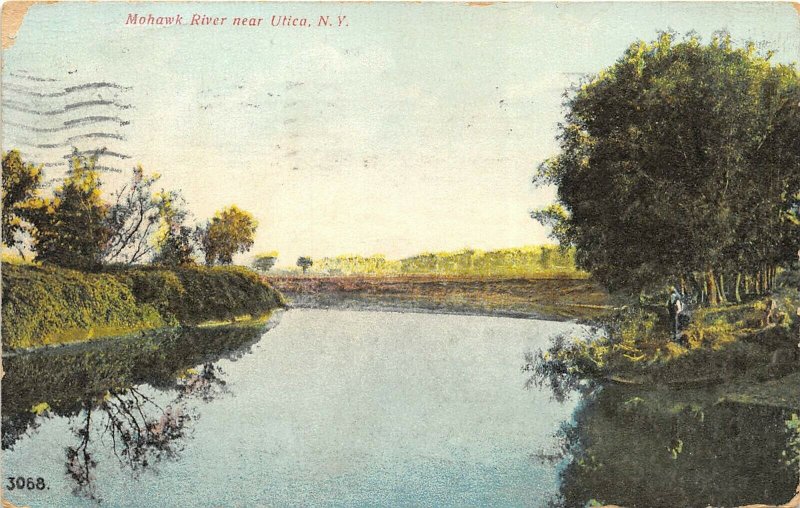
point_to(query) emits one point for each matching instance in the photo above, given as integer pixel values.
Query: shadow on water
(639, 447)
(133, 395)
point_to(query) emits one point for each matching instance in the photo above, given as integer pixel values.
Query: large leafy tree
(679, 163)
(70, 227)
(231, 230)
(20, 183)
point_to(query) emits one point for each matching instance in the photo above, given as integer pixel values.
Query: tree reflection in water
(665, 448)
(113, 394)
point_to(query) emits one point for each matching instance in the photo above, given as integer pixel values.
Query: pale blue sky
(418, 127)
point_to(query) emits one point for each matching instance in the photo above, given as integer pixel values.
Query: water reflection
(130, 396)
(663, 449)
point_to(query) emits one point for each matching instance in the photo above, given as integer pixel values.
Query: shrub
(46, 305)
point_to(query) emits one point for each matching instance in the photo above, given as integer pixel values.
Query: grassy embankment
(49, 305)
(727, 350)
(537, 281)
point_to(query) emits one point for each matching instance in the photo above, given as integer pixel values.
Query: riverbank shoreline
(46, 305)
(266, 322)
(551, 299)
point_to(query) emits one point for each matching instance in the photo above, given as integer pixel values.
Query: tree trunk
(721, 288)
(738, 282)
(711, 288)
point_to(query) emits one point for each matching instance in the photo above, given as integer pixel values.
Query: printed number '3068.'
(20, 483)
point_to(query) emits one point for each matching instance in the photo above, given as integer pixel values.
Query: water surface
(329, 408)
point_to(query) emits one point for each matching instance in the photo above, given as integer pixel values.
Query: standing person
(675, 307)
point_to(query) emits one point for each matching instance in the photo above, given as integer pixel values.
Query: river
(342, 408)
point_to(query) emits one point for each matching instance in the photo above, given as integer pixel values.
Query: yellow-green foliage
(48, 305)
(516, 262)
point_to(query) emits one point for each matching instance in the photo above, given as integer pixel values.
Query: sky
(412, 127)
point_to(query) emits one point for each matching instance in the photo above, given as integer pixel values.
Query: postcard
(352, 254)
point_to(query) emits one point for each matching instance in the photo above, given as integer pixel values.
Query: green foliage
(514, 262)
(231, 230)
(20, 182)
(174, 239)
(679, 158)
(305, 263)
(71, 228)
(193, 294)
(49, 305)
(265, 262)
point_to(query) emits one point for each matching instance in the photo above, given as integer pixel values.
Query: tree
(231, 230)
(132, 220)
(175, 241)
(71, 228)
(20, 183)
(679, 163)
(265, 262)
(305, 263)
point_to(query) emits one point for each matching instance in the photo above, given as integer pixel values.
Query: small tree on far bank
(265, 262)
(305, 263)
(231, 230)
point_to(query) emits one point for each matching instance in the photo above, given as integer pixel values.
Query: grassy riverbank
(45, 305)
(728, 350)
(545, 298)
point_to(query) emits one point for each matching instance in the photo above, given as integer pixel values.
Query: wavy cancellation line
(71, 139)
(22, 74)
(70, 124)
(27, 108)
(68, 90)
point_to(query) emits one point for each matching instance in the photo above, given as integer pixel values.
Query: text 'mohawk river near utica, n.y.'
(203, 20)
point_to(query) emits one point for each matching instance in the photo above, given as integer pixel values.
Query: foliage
(174, 239)
(633, 345)
(514, 262)
(679, 159)
(231, 230)
(265, 262)
(133, 218)
(568, 365)
(193, 294)
(305, 263)
(49, 305)
(71, 228)
(20, 184)
(46, 305)
(792, 454)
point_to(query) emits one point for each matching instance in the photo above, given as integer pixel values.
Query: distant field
(549, 298)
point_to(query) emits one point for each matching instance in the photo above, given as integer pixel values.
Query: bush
(193, 294)
(48, 305)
